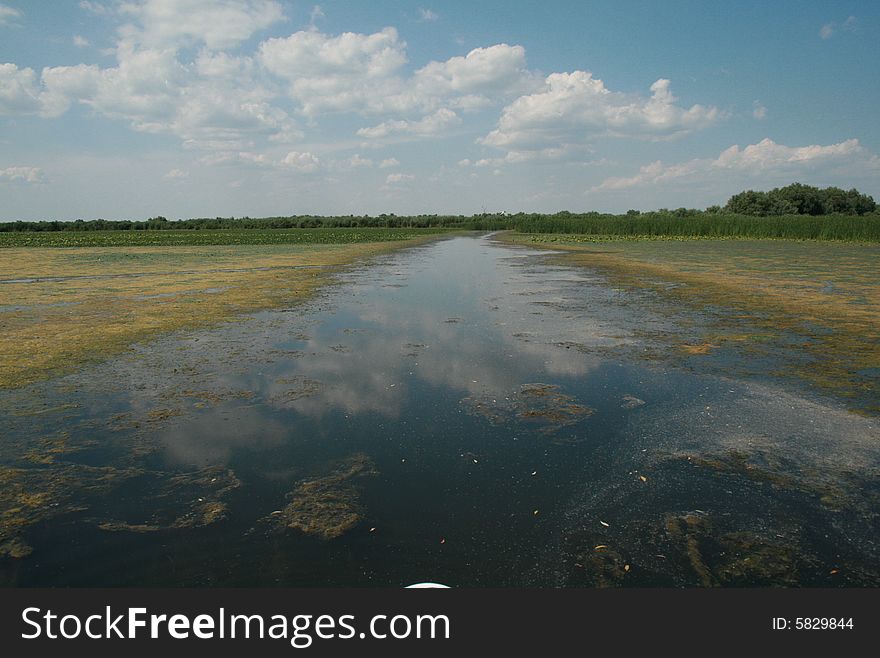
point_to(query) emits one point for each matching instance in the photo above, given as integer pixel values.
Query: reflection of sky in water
(383, 364)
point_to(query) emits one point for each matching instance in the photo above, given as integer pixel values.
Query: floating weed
(327, 506)
(544, 404)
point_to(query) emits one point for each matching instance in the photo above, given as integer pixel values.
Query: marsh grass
(61, 308)
(825, 295)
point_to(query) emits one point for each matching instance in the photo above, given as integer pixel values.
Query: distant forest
(792, 200)
(798, 199)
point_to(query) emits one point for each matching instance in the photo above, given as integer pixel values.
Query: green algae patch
(329, 505)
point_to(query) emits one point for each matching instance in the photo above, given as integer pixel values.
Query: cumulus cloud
(19, 93)
(427, 16)
(362, 73)
(8, 15)
(477, 78)
(173, 76)
(176, 174)
(388, 163)
(434, 124)
(217, 102)
(19, 174)
(304, 162)
(216, 24)
(393, 179)
(349, 72)
(572, 107)
(766, 158)
(80, 41)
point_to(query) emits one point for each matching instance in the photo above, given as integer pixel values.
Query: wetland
(478, 410)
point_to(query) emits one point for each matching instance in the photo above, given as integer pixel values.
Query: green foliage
(207, 237)
(242, 223)
(799, 199)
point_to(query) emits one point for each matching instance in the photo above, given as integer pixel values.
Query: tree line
(794, 199)
(799, 199)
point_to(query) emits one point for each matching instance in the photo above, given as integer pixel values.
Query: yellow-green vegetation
(328, 506)
(60, 308)
(826, 294)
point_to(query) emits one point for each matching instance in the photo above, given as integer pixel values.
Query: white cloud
(393, 179)
(851, 24)
(316, 14)
(431, 125)
(8, 15)
(80, 41)
(19, 93)
(766, 158)
(217, 24)
(247, 159)
(304, 162)
(349, 72)
(216, 102)
(565, 153)
(388, 163)
(573, 107)
(228, 103)
(427, 16)
(759, 111)
(484, 74)
(176, 174)
(19, 174)
(94, 7)
(357, 161)
(363, 73)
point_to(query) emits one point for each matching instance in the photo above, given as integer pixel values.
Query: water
(462, 412)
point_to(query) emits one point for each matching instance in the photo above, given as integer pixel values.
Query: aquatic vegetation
(631, 402)
(29, 496)
(835, 489)
(814, 307)
(33, 495)
(739, 558)
(328, 506)
(295, 388)
(544, 404)
(62, 308)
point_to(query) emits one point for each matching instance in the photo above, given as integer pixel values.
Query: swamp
(478, 409)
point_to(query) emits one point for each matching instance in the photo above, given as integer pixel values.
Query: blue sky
(192, 108)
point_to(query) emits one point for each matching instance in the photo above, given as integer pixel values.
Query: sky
(127, 109)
